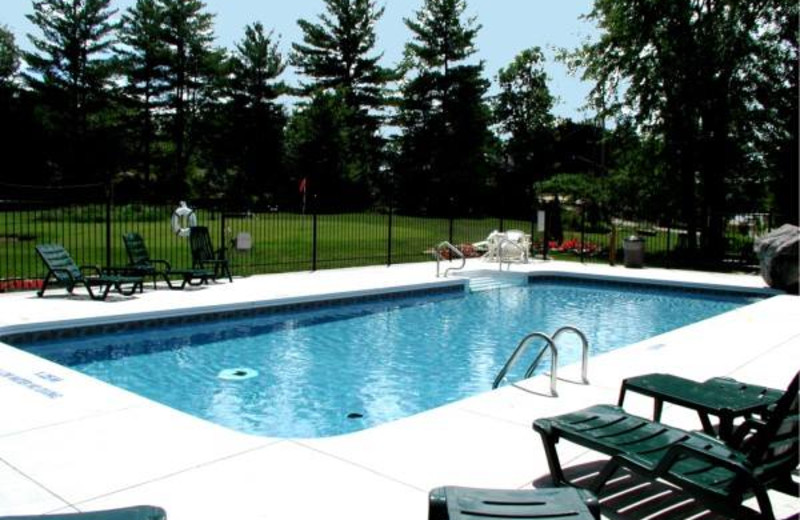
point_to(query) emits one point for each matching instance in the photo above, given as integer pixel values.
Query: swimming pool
(330, 370)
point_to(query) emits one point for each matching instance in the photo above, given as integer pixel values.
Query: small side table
(721, 397)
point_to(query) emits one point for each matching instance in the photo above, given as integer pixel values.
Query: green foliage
(441, 34)
(9, 57)
(255, 66)
(319, 144)
(142, 61)
(192, 66)
(244, 156)
(692, 74)
(446, 149)
(576, 187)
(71, 70)
(522, 108)
(337, 54)
(522, 113)
(778, 96)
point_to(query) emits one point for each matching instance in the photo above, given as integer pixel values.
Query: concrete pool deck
(71, 443)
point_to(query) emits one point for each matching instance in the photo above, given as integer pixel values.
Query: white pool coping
(94, 446)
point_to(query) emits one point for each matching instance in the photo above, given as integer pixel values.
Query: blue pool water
(338, 369)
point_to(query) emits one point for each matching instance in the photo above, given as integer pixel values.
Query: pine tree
(71, 70)
(143, 61)
(9, 58)
(337, 54)
(441, 36)
(446, 144)
(257, 121)
(191, 65)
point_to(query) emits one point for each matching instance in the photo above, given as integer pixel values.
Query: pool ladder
(550, 344)
(454, 251)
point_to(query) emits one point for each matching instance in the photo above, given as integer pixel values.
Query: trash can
(633, 248)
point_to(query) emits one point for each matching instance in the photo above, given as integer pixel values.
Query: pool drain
(237, 374)
(355, 415)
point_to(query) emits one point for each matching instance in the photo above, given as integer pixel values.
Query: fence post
(389, 240)
(109, 203)
(314, 240)
(583, 230)
(669, 240)
(546, 235)
(222, 247)
(450, 232)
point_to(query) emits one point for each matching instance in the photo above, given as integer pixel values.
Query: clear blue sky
(509, 26)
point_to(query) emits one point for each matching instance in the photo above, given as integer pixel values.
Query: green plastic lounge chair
(126, 513)
(141, 264)
(761, 455)
(460, 503)
(61, 269)
(204, 255)
(722, 397)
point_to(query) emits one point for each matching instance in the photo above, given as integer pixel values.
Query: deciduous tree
(522, 111)
(700, 75)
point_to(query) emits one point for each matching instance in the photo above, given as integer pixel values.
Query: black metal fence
(272, 241)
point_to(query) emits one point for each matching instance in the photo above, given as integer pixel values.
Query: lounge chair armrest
(165, 263)
(95, 268)
(750, 425)
(737, 464)
(65, 271)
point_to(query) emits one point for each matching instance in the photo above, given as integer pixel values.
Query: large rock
(778, 254)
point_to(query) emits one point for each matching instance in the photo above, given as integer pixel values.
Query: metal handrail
(506, 241)
(584, 349)
(453, 249)
(551, 345)
(518, 351)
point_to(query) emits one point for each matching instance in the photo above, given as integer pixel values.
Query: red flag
(303, 185)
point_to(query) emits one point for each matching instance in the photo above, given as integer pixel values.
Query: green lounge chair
(205, 256)
(126, 513)
(722, 397)
(760, 456)
(460, 503)
(61, 269)
(141, 264)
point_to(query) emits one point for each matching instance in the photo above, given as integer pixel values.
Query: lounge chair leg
(764, 504)
(92, 295)
(591, 502)
(40, 292)
(606, 473)
(556, 473)
(707, 427)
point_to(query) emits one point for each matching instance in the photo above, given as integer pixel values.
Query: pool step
(490, 283)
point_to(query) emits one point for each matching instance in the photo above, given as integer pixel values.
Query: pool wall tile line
(655, 283)
(60, 330)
